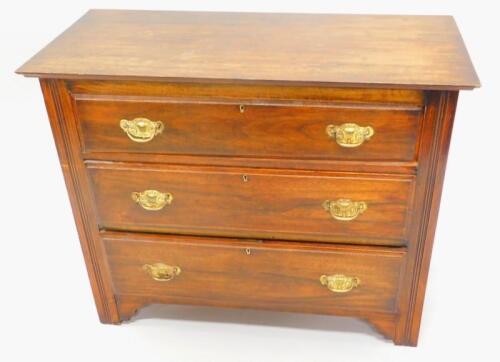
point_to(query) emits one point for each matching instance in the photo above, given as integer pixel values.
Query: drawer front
(252, 129)
(253, 203)
(293, 276)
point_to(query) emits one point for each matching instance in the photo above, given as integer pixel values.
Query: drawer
(317, 278)
(257, 129)
(254, 203)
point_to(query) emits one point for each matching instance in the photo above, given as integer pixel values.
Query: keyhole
(242, 108)
(245, 178)
(248, 251)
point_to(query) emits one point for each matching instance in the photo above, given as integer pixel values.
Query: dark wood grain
(384, 167)
(271, 275)
(59, 109)
(435, 141)
(364, 50)
(242, 179)
(263, 129)
(398, 99)
(245, 91)
(271, 204)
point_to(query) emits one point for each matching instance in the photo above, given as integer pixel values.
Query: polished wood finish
(363, 50)
(438, 125)
(271, 275)
(278, 129)
(253, 203)
(242, 180)
(59, 109)
(355, 98)
(82, 87)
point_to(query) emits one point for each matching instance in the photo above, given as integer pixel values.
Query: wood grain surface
(269, 204)
(363, 50)
(241, 181)
(81, 88)
(260, 129)
(274, 275)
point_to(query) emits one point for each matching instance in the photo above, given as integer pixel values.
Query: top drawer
(290, 129)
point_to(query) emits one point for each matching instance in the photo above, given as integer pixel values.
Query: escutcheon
(162, 272)
(152, 200)
(350, 134)
(141, 130)
(345, 209)
(339, 283)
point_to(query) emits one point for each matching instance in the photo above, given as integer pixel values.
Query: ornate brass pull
(345, 209)
(162, 272)
(350, 134)
(152, 200)
(339, 283)
(141, 129)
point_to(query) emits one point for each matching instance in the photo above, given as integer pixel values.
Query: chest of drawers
(282, 162)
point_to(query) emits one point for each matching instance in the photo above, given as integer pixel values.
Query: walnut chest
(276, 161)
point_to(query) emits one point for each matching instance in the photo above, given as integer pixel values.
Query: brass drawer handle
(162, 272)
(350, 134)
(339, 283)
(141, 129)
(152, 200)
(345, 209)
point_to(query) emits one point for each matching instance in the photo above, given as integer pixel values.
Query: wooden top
(421, 52)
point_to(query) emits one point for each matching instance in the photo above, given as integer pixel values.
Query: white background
(47, 311)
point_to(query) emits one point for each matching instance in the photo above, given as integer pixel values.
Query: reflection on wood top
(421, 52)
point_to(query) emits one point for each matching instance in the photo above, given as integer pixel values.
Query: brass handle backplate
(152, 200)
(339, 283)
(141, 129)
(350, 134)
(162, 272)
(345, 209)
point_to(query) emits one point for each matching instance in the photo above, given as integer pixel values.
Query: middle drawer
(254, 203)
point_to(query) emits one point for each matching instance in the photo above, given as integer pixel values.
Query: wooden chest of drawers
(284, 162)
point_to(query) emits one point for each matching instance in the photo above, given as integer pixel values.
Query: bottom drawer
(313, 278)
